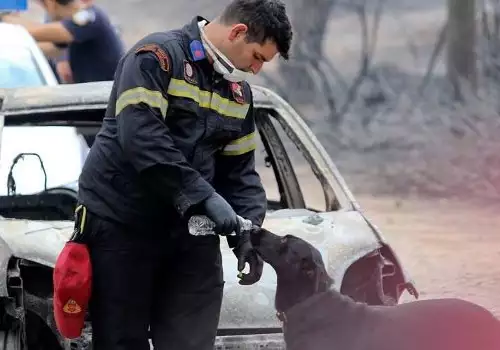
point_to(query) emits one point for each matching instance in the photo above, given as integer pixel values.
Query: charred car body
(35, 225)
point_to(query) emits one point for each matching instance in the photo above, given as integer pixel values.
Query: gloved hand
(222, 214)
(245, 253)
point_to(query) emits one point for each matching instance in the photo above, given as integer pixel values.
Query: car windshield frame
(23, 52)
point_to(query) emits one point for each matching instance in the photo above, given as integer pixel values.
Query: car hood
(342, 237)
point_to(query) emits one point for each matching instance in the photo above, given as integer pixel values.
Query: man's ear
(237, 31)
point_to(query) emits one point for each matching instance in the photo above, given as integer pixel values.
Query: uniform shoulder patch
(162, 56)
(83, 17)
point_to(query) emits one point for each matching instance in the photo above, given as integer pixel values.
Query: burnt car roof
(93, 95)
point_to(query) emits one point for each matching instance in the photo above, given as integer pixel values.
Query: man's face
(247, 56)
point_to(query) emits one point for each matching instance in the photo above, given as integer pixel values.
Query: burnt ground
(391, 153)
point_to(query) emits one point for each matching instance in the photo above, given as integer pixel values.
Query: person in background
(82, 29)
(60, 65)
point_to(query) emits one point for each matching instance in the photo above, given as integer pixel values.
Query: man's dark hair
(60, 2)
(64, 2)
(265, 19)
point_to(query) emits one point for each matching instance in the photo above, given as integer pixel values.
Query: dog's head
(299, 267)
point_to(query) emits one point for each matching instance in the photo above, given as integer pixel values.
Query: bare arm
(51, 32)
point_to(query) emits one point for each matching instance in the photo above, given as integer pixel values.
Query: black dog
(317, 317)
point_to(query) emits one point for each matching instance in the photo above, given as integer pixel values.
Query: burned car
(307, 197)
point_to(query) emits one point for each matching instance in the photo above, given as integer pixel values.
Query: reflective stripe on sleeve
(241, 146)
(134, 96)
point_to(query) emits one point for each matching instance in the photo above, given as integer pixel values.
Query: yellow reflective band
(206, 99)
(240, 146)
(84, 216)
(137, 95)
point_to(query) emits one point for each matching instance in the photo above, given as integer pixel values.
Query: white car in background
(22, 63)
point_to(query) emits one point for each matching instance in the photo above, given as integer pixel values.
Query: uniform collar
(195, 46)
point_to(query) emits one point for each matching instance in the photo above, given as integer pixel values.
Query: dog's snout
(267, 245)
(263, 237)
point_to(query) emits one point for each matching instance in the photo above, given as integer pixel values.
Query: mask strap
(216, 54)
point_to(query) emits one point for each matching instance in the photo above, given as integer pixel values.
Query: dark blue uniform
(174, 132)
(96, 49)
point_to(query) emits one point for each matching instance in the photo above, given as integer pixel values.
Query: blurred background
(404, 95)
(378, 81)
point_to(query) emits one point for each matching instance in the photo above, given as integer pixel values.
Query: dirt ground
(450, 248)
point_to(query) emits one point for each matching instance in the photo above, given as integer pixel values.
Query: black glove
(245, 253)
(220, 212)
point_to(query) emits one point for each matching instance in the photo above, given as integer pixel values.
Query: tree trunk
(461, 45)
(309, 20)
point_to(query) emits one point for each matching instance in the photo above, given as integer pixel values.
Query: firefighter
(84, 30)
(178, 139)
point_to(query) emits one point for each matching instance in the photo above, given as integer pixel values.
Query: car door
(276, 158)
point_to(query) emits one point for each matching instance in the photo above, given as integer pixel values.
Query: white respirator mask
(221, 63)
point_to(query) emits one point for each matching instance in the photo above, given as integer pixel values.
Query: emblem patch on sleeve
(159, 53)
(197, 50)
(238, 94)
(189, 73)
